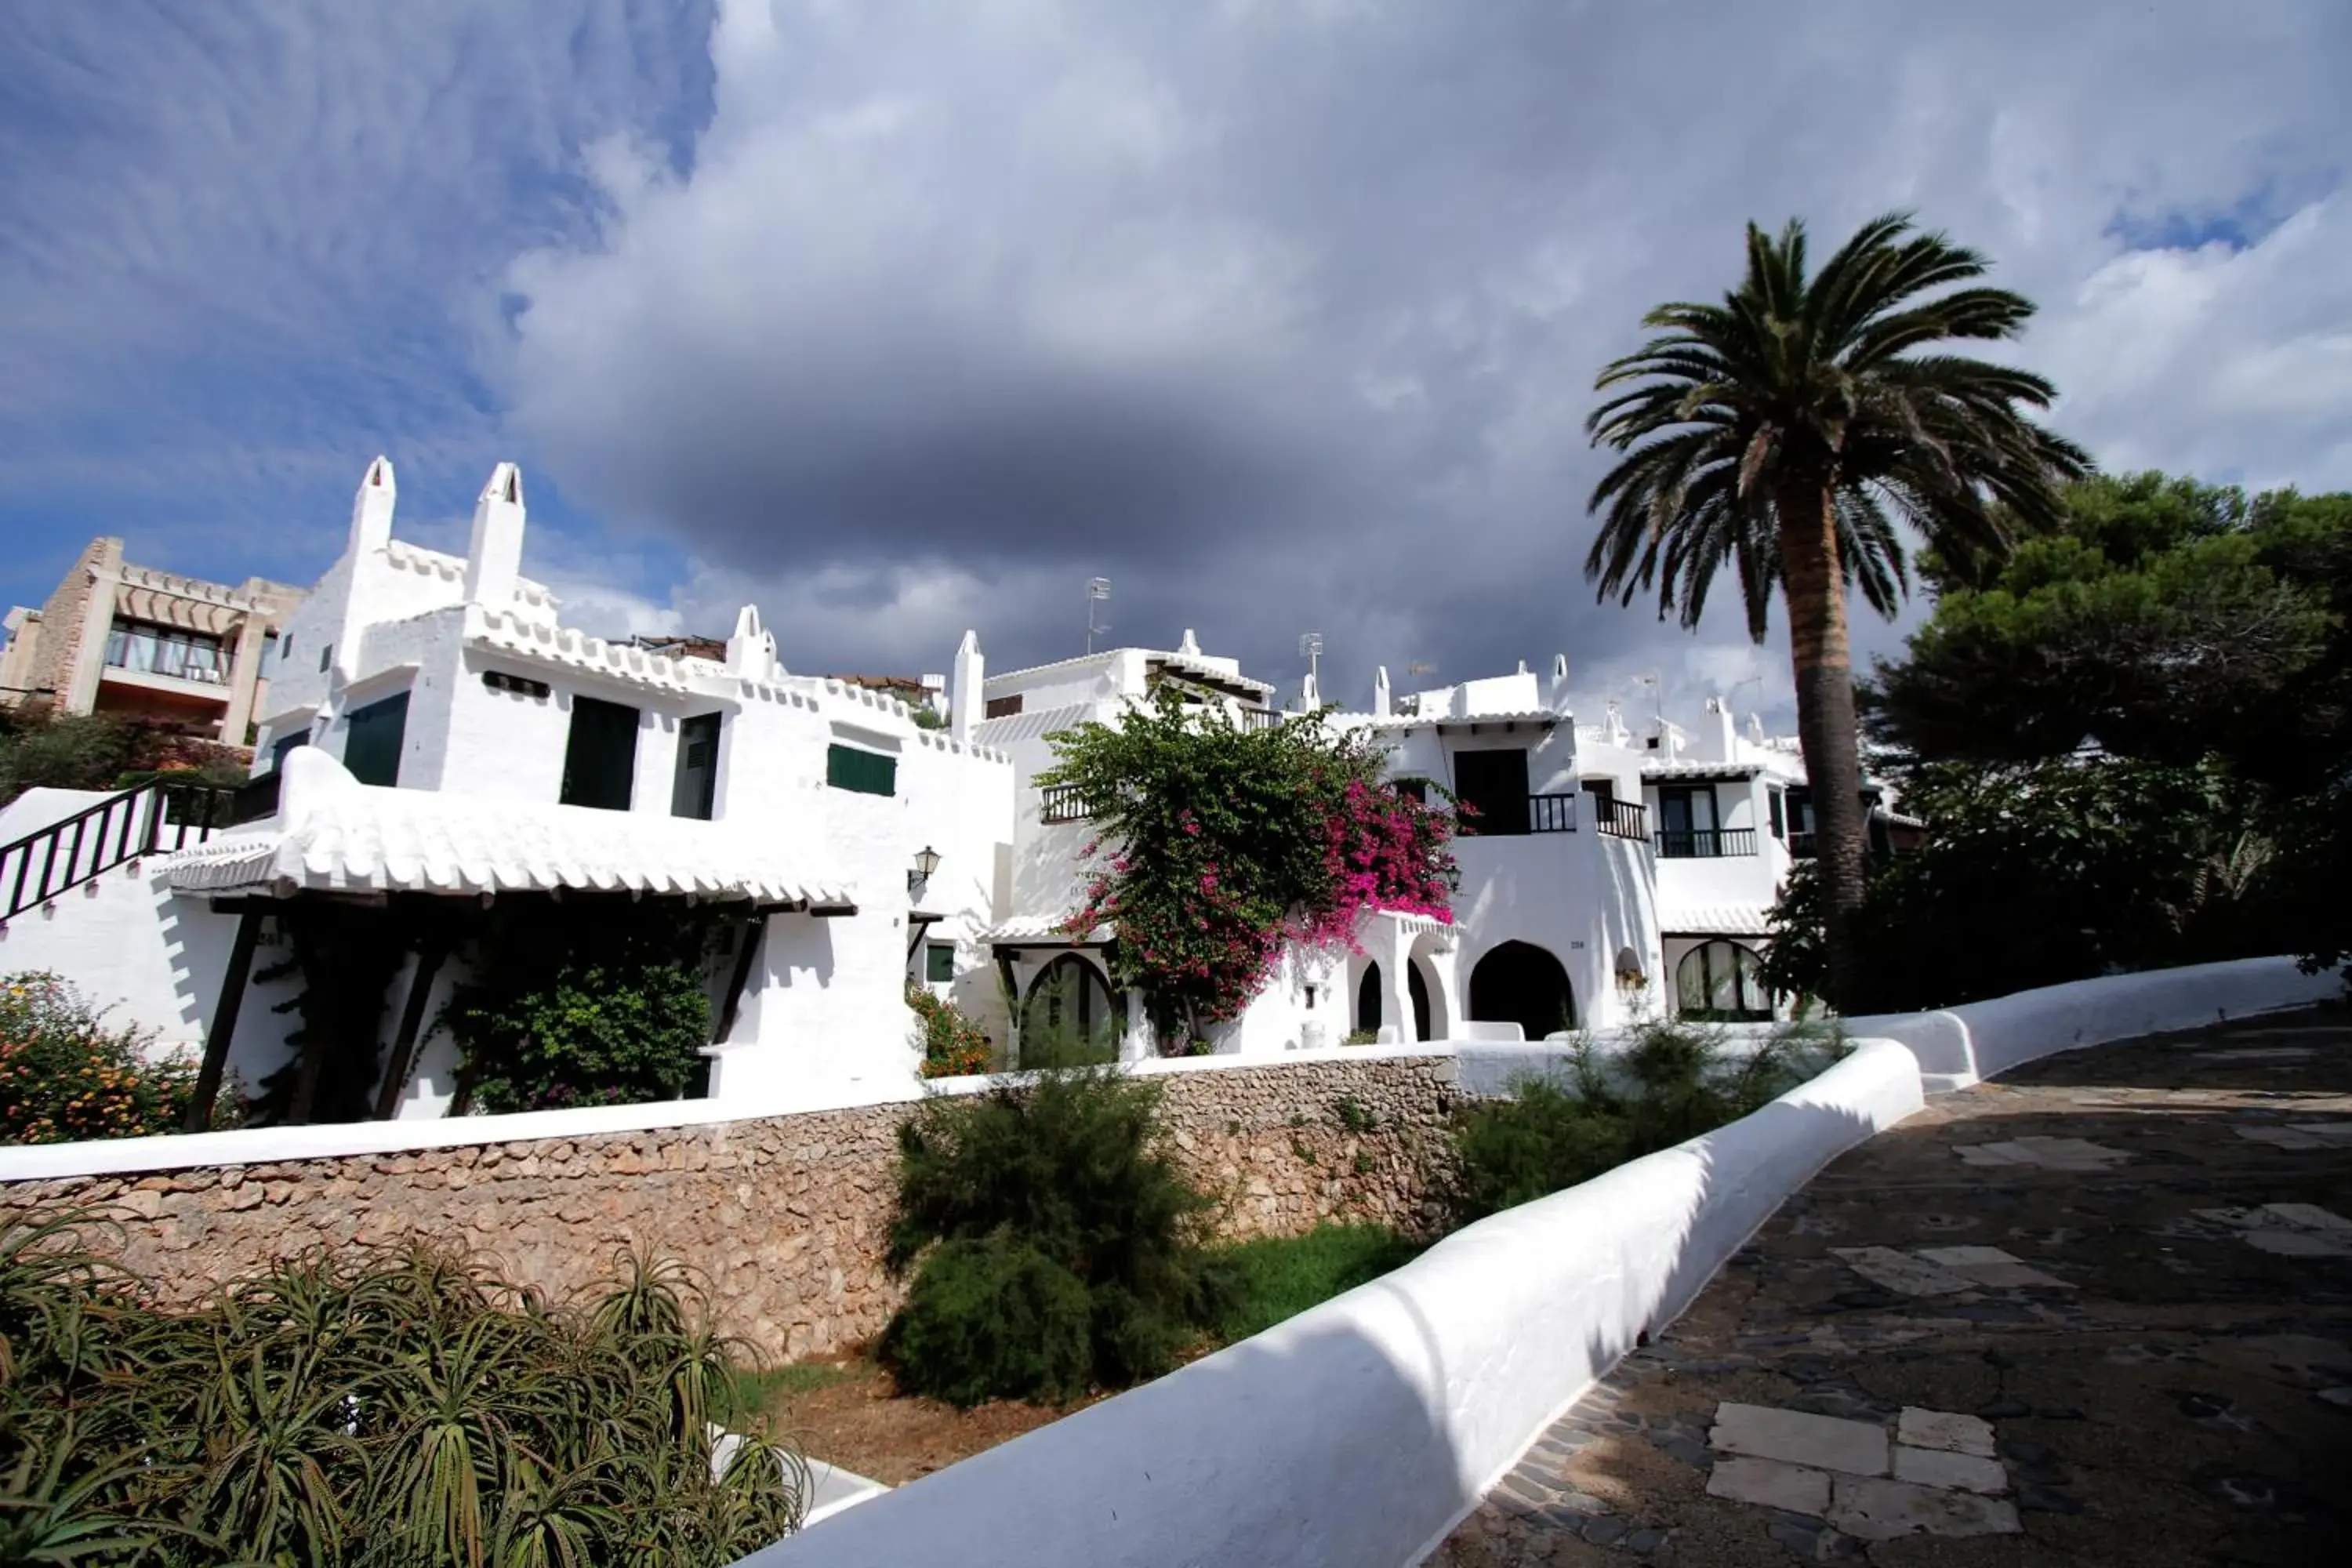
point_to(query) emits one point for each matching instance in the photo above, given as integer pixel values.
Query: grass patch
(1275, 1278)
(765, 1388)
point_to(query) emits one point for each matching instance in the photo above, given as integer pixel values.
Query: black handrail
(1622, 819)
(1551, 814)
(1062, 802)
(156, 817)
(1704, 843)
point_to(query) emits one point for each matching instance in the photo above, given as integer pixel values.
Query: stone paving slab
(2119, 1361)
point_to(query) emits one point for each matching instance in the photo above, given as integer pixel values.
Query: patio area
(2097, 1313)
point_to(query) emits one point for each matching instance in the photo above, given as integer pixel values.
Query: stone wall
(784, 1216)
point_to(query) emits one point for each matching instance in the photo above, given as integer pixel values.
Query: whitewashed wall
(1960, 1046)
(1359, 1432)
(154, 962)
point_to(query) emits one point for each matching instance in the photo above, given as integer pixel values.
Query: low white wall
(1361, 1432)
(1960, 1046)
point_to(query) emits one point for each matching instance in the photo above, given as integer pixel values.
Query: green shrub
(1675, 1081)
(1275, 1278)
(64, 1075)
(392, 1409)
(1069, 1173)
(588, 1002)
(993, 1319)
(952, 1045)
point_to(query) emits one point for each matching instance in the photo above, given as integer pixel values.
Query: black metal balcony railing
(1551, 814)
(152, 819)
(1063, 802)
(1704, 843)
(1622, 819)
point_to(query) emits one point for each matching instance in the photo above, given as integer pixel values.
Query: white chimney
(494, 556)
(751, 651)
(1557, 699)
(1383, 700)
(965, 704)
(372, 508)
(1724, 729)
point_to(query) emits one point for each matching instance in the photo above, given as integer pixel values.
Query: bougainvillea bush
(952, 1045)
(1217, 844)
(64, 1075)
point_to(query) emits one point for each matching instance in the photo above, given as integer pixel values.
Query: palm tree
(1785, 432)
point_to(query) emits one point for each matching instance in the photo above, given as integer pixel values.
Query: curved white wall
(1960, 1046)
(1360, 1432)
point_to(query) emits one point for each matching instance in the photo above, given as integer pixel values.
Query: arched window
(1720, 981)
(1070, 1018)
(1520, 982)
(1367, 1001)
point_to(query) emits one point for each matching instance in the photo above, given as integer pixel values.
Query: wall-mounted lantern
(927, 860)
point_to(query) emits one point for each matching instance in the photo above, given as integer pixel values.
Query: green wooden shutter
(861, 772)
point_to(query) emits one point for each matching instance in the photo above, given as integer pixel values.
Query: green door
(694, 787)
(372, 740)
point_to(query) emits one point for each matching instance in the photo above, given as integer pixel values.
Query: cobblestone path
(2098, 1312)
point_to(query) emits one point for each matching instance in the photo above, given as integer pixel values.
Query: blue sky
(901, 317)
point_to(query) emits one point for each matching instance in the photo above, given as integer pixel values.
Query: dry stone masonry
(783, 1217)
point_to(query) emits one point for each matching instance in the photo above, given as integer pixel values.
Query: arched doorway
(1520, 982)
(1069, 1017)
(1417, 985)
(1721, 982)
(1367, 1001)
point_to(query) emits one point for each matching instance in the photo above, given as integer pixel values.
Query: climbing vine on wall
(1218, 843)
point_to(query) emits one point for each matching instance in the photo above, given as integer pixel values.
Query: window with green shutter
(861, 772)
(938, 963)
(600, 759)
(371, 740)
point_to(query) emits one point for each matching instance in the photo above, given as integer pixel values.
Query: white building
(435, 739)
(441, 736)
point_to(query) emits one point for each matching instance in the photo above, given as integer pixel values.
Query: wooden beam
(411, 1018)
(223, 1025)
(755, 931)
(916, 924)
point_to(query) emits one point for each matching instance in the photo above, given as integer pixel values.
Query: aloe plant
(376, 1409)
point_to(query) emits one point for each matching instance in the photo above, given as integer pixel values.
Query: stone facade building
(117, 637)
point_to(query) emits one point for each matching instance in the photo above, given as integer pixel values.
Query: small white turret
(751, 651)
(494, 555)
(971, 671)
(1723, 728)
(372, 508)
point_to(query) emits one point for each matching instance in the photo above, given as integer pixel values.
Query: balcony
(1622, 818)
(1704, 843)
(1516, 817)
(1062, 802)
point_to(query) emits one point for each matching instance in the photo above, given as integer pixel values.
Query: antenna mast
(1097, 591)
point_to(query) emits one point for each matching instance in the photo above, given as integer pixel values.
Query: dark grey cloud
(1286, 316)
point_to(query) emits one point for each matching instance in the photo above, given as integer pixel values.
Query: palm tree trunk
(1814, 582)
